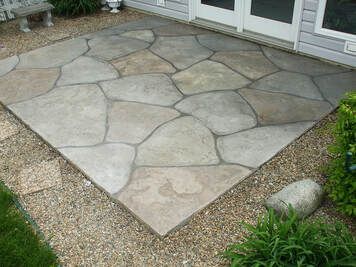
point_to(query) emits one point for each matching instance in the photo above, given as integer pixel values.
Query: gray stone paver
(110, 47)
(109, 165)
(141, 62)
(182, 51)
(221, 42)
(19, 85)
(181, 142)
(252, 64)
(7, 64)
(147, 88)
(133, 122)
(208, 76)
(67, 116)
(54, 55)
(290, 83)
(86, 70)
(176, 192)
(168, 130)
(273, 108)
(222, 112)
(334, 86)
(256, 146)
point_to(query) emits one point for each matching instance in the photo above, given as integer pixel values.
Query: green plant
(341, 184)
(70, 8)
(287, 241)
(19, 245)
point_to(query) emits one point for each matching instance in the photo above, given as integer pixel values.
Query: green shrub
(277, 241)
(341, 184)
(70, 8)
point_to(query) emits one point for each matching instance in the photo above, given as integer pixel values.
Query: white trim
(299, 25)
(318, 28)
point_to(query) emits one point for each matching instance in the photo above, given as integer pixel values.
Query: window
(337, 18)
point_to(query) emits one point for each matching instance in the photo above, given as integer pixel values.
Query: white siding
(174, 8)
(319, 45)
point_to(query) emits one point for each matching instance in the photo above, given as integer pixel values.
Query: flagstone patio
(166, 117)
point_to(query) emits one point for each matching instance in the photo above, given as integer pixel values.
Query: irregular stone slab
(169, 196)
(182, 142)
(176, 29)
(273, 108)
(144, 35)
(66, 116)
(19, 85)
(54, 55)
(222, 112)
(148, 22)
(107, 165)
(38, 177)
(102, 33)
(142, 62)
(86, 70)
(208, 76)
(256, 146)
(7, 64)
(252, 64)
(111, 47)
(182, 51)
(132, 122)
(290, 83)
(7, 128)
(298, 63)
(305, 197)
(222, 42)
(335, 86)
(148, 88)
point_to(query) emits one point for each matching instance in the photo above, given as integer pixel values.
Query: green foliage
(341, 184)
(19, 246)
(71, 8)
(277, 241)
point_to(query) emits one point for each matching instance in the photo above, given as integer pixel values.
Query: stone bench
(22, 12)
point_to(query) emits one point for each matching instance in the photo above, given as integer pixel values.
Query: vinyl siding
(177, 9)
(319, 45)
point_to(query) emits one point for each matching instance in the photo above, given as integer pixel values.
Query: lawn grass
(19, 245)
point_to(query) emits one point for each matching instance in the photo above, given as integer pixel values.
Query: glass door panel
(280, 10)
(221, 11)
(225, 4)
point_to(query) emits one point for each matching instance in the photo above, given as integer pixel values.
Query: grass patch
(288, 241)
(19, 245)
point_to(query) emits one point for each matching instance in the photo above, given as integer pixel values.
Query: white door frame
(244, 6)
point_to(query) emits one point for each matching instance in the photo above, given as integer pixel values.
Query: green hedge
(71, 8)
(281, 242)
(341, 183)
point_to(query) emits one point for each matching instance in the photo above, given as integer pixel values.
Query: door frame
(240, 6)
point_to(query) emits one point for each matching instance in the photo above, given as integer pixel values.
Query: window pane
(340, 15)
(280, 10)
(226, 4)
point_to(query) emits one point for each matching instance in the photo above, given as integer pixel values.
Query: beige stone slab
(19, 85)
(182, 142)
(142, 62)
(7, 64)
(165, 197)
(39, 177)
(144, 35)
(133, 122)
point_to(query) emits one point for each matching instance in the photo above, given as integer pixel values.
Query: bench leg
(24, 24)
(47, 19)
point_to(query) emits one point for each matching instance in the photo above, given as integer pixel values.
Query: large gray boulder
(305, 196)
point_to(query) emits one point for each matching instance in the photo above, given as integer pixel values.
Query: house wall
(177, 9)
(319, 45)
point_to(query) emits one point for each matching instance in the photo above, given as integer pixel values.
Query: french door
(275, 18)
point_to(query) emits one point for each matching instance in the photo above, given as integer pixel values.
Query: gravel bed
(86, 228)
(16, 42)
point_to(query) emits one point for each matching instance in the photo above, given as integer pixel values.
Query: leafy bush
(277, 241)
(70, 8)
(341, 184)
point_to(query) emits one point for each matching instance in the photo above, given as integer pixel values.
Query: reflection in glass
(280, 10)
(225, 4)
(340, 15)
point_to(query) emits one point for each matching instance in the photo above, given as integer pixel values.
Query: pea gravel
(86, 228)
